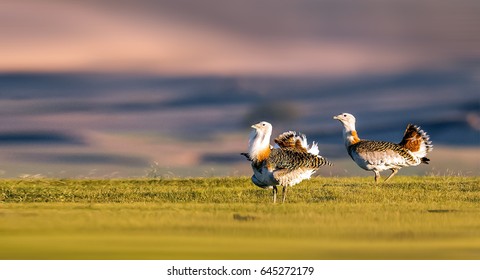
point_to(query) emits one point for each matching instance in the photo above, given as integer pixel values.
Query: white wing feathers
(313, 149)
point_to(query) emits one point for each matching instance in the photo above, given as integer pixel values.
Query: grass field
(228, 218)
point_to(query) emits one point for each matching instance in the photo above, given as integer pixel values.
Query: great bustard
(378, 156)
(286, 164)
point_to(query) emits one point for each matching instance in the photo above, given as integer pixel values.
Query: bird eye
(263, 124)
(344, 115)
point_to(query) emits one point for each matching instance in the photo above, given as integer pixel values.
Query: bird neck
(259, 146)
(350, 136)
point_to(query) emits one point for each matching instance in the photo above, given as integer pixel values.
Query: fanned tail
(417, 141)
(296, 141)
(292, 140)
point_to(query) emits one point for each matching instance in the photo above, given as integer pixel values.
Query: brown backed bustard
(288, 163)
(378, 156)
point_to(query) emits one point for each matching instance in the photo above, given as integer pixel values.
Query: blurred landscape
(109, 125)
(170, 88)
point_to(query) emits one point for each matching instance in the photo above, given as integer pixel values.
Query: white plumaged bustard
(378, 156)
(291, 161)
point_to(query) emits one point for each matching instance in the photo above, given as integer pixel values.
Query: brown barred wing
(293, 159)
(380, 151)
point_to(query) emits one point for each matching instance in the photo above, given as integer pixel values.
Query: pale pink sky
(249, 37)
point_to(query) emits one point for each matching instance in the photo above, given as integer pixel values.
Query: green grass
(230, 218)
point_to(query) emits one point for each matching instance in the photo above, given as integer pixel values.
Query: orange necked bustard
(378, 156)
(288, 163)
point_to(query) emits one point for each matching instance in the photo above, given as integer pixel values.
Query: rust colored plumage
(356, 139)
(412, 139)
(378, 156)
(263, 155)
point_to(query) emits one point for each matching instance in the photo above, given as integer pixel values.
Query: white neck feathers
(350, 135)
(259, 145)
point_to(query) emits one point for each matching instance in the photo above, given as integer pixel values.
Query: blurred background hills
(170, 88)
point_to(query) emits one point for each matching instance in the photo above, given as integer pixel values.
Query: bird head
(348, 120)
(262, 127)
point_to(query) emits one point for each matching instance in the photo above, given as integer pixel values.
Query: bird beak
(335, 117)
(257, 126)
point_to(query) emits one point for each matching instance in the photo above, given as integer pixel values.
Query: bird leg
(284, 194)
(394, 171)
(275, 194)
(377, 176)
